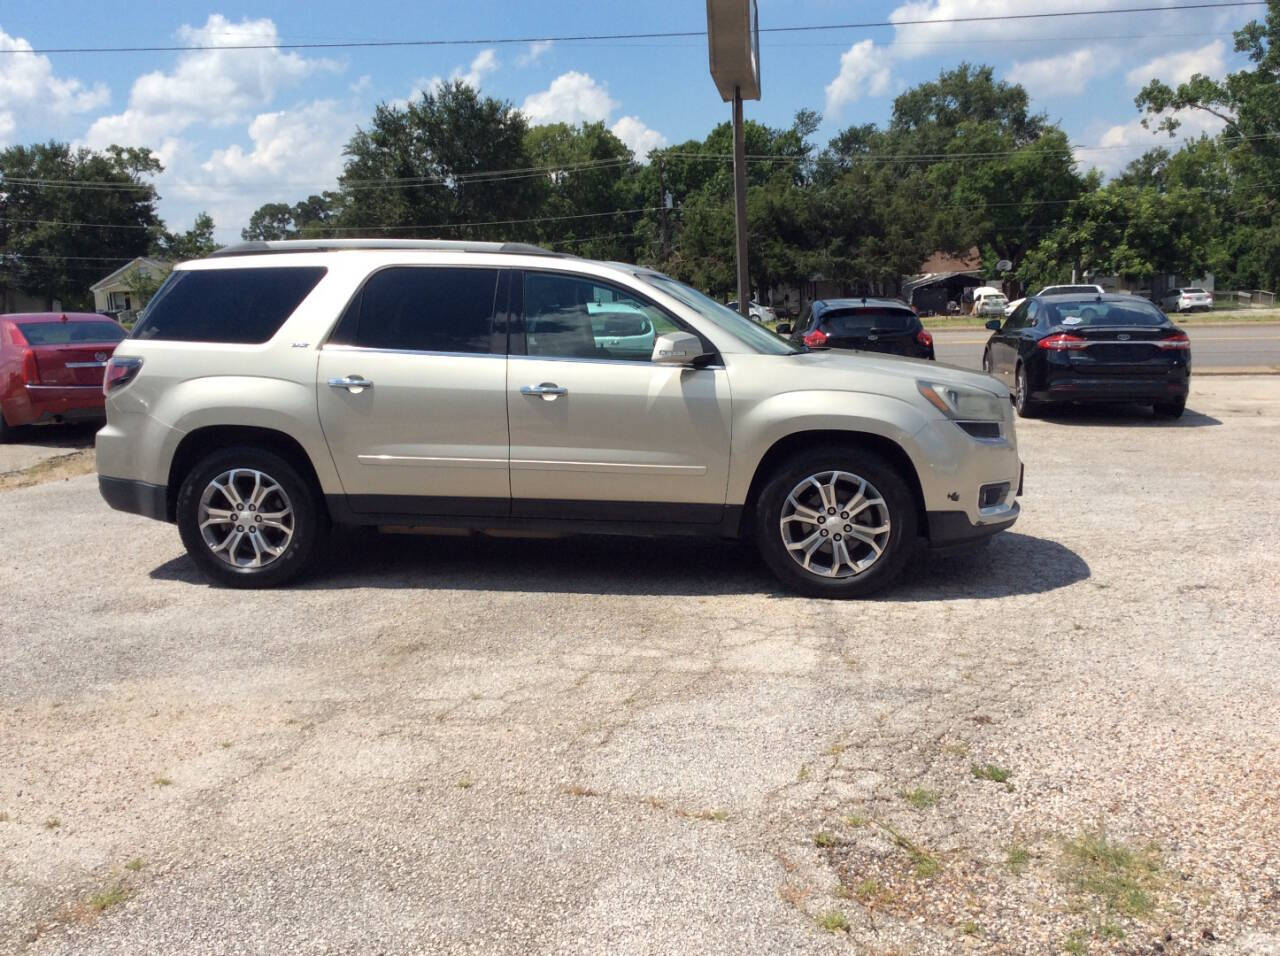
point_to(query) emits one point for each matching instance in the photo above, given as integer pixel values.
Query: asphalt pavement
(1216, 348)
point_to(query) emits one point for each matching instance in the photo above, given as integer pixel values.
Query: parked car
(761, 313)
(1072, 290)
(1012, 306)
(1097, 348)
(867, 325)
(1187, 300)
(51, 367)
(275, 388)
(988, 301)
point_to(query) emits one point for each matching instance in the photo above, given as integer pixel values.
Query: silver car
(1187, 300)
(273, 389)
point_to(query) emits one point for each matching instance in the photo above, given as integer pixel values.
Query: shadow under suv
(275, 388)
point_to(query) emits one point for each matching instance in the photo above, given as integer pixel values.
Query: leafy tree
(312, 217)
(195, 243)
(69, 216)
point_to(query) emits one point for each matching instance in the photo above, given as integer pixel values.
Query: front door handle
(548, 390)
(355, 384)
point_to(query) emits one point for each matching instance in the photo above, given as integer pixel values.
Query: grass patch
(162, 782)
(52, 823)
(1125, 879)
(921, 798)
(923, 864)
(465, 783)
(1075, 943)
(1110, 931)
(803, 775)
(1018, 858)
(824, 839)
(990, 772)
(856, 820)
(718, 816)
(833, 921)
(969, 928)
(106, 898)
(134, 865)
(71, 465)
(870, 891)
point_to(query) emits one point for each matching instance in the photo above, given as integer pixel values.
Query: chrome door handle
(353, 383)
(546, 388)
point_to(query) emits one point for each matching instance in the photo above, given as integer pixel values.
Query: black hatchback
(1094, 348)
(869, 325)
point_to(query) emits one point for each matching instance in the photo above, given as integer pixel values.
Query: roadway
(1213, 347)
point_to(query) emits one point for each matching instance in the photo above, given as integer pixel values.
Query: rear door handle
(355, 384)
(546, 388)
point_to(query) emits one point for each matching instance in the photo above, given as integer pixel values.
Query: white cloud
(640, 139)
(864, 71)
(572, 98)
(28, 86)
(486, 62)
(1121, 144)
(218, 87)
(1180, 66)
(1055, 76)
(535, 52)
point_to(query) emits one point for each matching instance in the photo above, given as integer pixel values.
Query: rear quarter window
(234, 306)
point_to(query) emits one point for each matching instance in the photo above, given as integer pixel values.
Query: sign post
(733, 41)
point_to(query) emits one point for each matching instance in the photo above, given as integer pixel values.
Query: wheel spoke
(800, 512)
(217, 516)
(826, 491)
(840, 554)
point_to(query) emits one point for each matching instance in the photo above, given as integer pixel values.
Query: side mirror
(994, 325)
(676, 348)
(783, 328)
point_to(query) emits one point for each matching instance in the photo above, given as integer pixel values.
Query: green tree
(196, 243)
(69, 216)
(312, 217)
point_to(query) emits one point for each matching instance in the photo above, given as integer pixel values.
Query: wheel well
(791, 444)
(203, 441)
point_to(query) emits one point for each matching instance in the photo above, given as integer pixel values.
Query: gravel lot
(474, 745)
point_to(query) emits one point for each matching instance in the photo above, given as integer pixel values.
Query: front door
(598, 431)
(412, 394)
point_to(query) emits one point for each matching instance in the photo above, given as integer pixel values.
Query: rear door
(598, 431)
(71, 353)
(412, 393)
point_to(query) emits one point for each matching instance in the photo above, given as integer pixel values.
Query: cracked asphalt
(634, 746)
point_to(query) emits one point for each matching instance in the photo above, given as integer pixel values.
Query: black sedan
(1090, 348)
(869, 325)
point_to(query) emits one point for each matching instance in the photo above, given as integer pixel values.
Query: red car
(51, 367)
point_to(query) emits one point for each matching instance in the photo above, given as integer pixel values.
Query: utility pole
(662, 212)
(740, 204)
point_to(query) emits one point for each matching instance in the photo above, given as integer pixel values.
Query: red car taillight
(816, 339)
(1177, 341)
(30, 370)
(120, 372)
(1063, 343)
(925, 339)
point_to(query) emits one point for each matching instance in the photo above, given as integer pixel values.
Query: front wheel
(249, 519)
(1023, 403)
(836, 522)
(986, 363)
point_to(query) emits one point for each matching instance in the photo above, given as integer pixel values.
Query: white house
(113, 294)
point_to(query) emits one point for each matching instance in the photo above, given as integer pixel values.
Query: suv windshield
(1094, 313)
(751, 334)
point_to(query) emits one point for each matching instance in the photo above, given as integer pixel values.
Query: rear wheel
(6, 430)
(1023, 403)
(1170, 409)
(836, 522)
(249, 519)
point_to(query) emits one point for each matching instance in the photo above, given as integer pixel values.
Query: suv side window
(423, 309)
(239, 306)
(578, 317)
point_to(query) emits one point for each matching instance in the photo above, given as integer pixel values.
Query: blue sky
(237, 129)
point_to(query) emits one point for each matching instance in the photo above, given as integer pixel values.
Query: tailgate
(72, 364)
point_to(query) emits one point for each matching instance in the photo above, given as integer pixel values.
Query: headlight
(963, 404)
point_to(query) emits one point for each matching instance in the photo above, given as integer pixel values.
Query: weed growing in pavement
(1111, 931)
(857, 820)
(835, 750)
(1018, 857)
(4, 817)
(52, 823)
(225, 744)
(833, 921)
(1075, 943)
(969, 928)
(989, 772)
(1124, 878)
(824, 839)
(465, 783)
(920, 797)
(803, 775)
(162, 782)
(956, 748)
(869, 890)
(923, 864)
(106, 898)
(718, 816)
(134, 865)
(577, 790)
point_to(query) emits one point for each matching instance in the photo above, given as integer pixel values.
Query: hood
(842, 362)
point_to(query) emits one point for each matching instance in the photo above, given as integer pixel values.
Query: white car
(1071, 290)
(761, 313)
(1012, 306)
(988, 300)
(1187, 300)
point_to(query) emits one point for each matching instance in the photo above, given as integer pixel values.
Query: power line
(654, 35)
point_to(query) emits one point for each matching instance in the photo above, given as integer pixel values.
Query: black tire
(1023, 403)
(1170, 409)
(6, 430)
(895, 492)
(310, 519)
(986, 362)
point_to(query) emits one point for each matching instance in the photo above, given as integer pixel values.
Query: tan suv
(274, 388)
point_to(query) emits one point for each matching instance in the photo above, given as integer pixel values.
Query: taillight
(816, 339)
(30, 370)
(120, 372)
(1177, 341)
(925, 339)
(1063, 343)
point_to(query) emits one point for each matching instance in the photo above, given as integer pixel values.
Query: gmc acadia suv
(277, 387)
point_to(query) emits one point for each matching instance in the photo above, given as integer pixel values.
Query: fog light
(992, 496)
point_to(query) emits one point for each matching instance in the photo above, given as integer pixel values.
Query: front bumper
(952, 530)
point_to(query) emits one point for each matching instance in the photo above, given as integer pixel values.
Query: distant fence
(1257, 299)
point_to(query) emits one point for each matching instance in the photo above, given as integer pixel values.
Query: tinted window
(244, 306)
(1194, 291)
(847, 321)
(1094, 313)
(424, 310)
(69, 332)
(570, 317)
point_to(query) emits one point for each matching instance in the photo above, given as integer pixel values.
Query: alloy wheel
(835, 524)
(245, 518)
